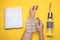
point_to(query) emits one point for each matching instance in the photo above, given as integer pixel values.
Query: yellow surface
(16, 34)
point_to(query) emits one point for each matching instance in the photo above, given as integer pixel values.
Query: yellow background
(16, 34)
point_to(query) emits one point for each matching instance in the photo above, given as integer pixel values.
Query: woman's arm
(27, 36)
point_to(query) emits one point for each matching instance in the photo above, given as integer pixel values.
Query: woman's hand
(32, 11)
(39, 25)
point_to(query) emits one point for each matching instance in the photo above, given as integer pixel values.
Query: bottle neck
(50, 19)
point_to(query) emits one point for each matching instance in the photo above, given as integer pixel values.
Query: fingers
(39, 22)
(35, 7)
